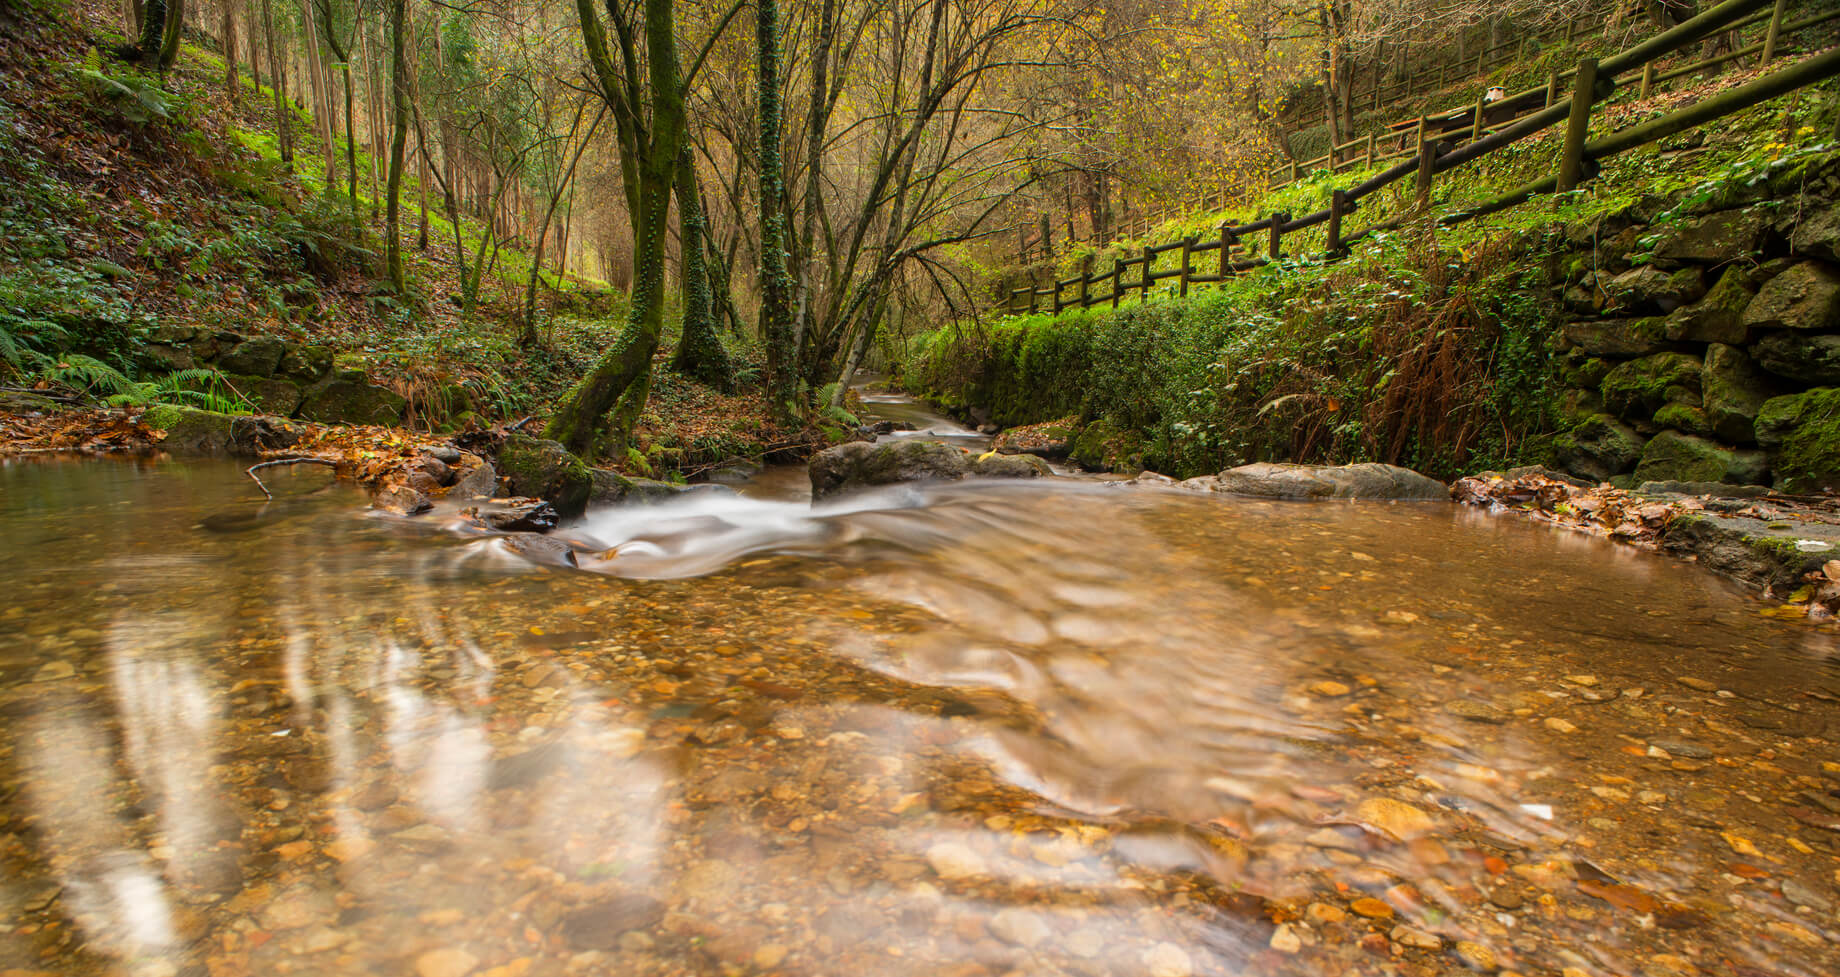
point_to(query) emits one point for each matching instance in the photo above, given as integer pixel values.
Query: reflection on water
(1030, 729)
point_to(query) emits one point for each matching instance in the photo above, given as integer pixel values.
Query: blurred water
(1036, 728)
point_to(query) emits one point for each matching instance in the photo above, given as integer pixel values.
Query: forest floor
(129, 201)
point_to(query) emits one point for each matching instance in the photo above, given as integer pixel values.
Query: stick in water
(251, 472)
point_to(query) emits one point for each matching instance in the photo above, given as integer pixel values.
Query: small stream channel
(1057, 727)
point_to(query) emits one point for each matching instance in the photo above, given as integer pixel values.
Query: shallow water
(1047, 728)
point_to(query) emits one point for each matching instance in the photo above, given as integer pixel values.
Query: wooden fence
(1592, 83)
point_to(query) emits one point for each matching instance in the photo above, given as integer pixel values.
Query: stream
(1033, 728)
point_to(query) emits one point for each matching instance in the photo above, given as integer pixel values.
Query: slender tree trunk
(230, 50)
(351, 141)
(153, 30)
(322, 99)
(277, 76)
(175, 27)
(399, 130)
(775, 283)
(699, 349)
(529, 336)
(818, 119)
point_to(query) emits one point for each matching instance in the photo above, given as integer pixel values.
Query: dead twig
(251, 472)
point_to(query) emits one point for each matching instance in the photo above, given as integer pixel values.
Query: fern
(201, 388)
(87, 374)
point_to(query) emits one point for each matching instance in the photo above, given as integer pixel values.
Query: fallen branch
(251, 472)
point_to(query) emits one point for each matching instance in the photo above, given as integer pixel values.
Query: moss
(1640, 387)
(1807, 433)
(1105, 446)
(547, 470)
(1680, 417)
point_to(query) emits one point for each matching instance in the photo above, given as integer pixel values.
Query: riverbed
(1054, 727)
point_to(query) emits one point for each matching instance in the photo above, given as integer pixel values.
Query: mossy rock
(1104, 446)
(1011, 466)
(1598, 448)
(307, 363)
(1641, 387)
(546, 470)
(1675, 457)
(1617, 337)
(348, 397)
(1735, 390)
(1587, 374)
(1806, 296)
(271, 395)
(1804, 430)
(190, 431)
(1649, 289)
(1799, 356)
(257, 356)
(1680, 417)
(1714, 239)
(1717, 318)
(1818, 232)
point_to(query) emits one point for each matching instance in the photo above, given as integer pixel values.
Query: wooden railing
(1592, 83)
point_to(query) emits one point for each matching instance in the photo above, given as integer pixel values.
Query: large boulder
(1616, 337)
(190, 431)
(1639, 388)
(256, 356)
(1598, 448)
(612, 487)
(1804, 430)
(1714, 239)
(272, 395)
(1818, 233)
(1717, 318)
(546, 470)
(1675, 457)
(348, 397)
(1010, 466)
(1800, 356)
(1360, 481)
(1806, 296)
(1735, 390)
(861, 464)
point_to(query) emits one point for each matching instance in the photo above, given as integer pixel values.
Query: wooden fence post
(1188, 244)
(1086, 281)
(1057, 296)
(1571, 29)
(1578, 125)
(1648, 80)
(1296, 171)
(1149, 259)
(1275, 249)
(1338, 200)
(1427, 159)
(1034, 298)
(1475, 129)
(1227, 243)
(1117, 279)
(1774, 34)
(1372, 141)
(1552, 89)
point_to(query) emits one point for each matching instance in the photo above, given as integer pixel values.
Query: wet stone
(1476, 711)
(600, 925)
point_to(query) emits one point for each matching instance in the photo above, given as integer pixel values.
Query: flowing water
(977, 729)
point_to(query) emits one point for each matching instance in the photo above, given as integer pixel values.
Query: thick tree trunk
(399, 131)
(699, 349)
(775, 283)
(175, 27)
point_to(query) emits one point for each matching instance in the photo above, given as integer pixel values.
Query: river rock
(598, 926)
(1804, 430)
(1637, 389)
(401, 498)
(545, 469)
(479, 481)
(1011, 466)
(533, 517)
(201, 432)
(1367, 480)
(1676, 457)
(1806, 296)
(611, 487)
(271, 395)
(859, 465)
(540, 549)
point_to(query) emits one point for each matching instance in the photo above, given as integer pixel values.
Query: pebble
(1397, 818)
(771, 955)
(1416, 938)
(1585, 680)
(1330, 689)
(1371, 908)
(1651, 797)
(1168, 960)
(1507, 897)
(1558, 725)
(1323, 914)
(1475, 956)
(1802, 895)
(1285, 940)
(445, 962)
(1019, 927)
(1698, 683)
(1084, 943)
(1692, 751)
(1475, 711)
(954, 860)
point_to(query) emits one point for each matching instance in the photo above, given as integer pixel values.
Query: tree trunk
(399, 131)
(230, 50)
(277, 76)
(699, 350)
(351, 141)
(775, 283)
(175, 27)
(322, 100)
(818, 122)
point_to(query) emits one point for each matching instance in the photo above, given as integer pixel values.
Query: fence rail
(1593, 83)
